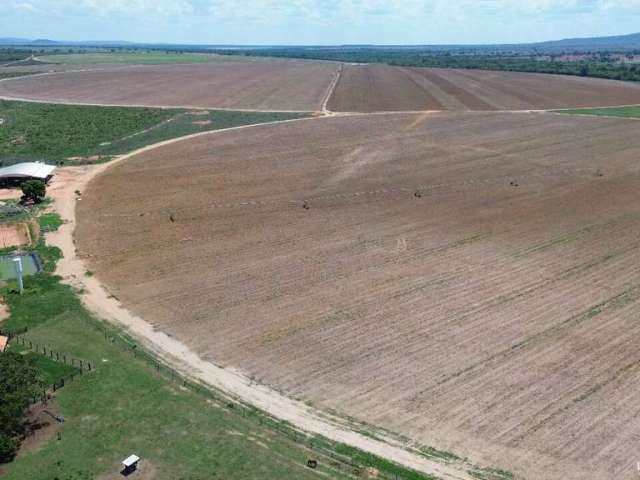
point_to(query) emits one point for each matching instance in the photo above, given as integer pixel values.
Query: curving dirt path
(99, 301)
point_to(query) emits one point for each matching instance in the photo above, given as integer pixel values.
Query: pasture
(468, 280)
(79, 134)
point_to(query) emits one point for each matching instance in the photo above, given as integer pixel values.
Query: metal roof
(27, 169)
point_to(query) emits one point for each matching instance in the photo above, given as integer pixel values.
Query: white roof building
(26, 170)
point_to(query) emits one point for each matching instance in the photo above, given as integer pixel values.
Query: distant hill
(45, 42)
(630, 41)
(618, 42)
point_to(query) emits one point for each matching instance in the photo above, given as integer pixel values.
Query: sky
(318, 22)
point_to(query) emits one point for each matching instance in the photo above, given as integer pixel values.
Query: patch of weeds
(48, 254)
(440, 454)
(490, 474)
(49, 222)
(383, 466)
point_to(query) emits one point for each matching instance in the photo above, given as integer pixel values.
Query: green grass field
(141, 58)
(56, 133)
(622, 112)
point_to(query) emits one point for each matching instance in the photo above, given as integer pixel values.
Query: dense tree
(34, 191)
(19, 383)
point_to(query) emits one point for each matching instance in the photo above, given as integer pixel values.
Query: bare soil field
(14, 235)
(276, 85)
(469, 280)
(374, 87)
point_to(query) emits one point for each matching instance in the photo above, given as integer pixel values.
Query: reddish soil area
(372, 88)
(470, 280)
(275, 85)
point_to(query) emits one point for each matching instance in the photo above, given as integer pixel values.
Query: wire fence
(319, 450)
(82, 365)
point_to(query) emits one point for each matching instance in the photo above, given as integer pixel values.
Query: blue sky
(318, 21)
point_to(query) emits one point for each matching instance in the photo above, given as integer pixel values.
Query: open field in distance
(282, 85)
(467, 279)
(90, 134)
(140, 58)
(375, 87)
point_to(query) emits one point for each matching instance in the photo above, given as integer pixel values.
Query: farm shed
(20, 172)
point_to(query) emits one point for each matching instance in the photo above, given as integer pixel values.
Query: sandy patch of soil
(10, 193)
(14, 235)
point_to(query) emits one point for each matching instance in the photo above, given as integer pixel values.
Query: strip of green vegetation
(490, 474)
(87, 134)
(15, 74)
(623, 112)
(140, 58)
(383, 466)
(189, 122)
(427, 57)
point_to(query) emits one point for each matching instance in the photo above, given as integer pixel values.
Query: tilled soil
(275, 85)
(374, 87)
(469, 280)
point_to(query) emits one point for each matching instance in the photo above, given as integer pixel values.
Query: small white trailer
(130, 464)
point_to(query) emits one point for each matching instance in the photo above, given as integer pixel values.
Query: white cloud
(324, 21)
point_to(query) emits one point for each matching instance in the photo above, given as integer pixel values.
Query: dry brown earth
(275, 85)
(374, 87)
(470, 280)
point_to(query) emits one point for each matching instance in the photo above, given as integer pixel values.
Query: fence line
(316, 446)
(53, 355)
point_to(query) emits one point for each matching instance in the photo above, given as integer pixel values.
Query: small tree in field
(34, 191)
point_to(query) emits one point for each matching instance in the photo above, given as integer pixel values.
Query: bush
(19, 383)
(34, 191)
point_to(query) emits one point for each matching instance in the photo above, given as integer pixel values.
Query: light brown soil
(274, 85)
(372, 88)
(14, 235)
(10, 193)
(465, 279)
(101, 303)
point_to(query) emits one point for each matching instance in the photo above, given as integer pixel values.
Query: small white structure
(20, 172)
(130, 463)
(17, 263)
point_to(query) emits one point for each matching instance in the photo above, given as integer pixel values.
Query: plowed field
(274, 85)
(470, 280)
(372, 88)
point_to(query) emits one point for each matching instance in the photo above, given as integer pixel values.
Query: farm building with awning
(20, 172)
